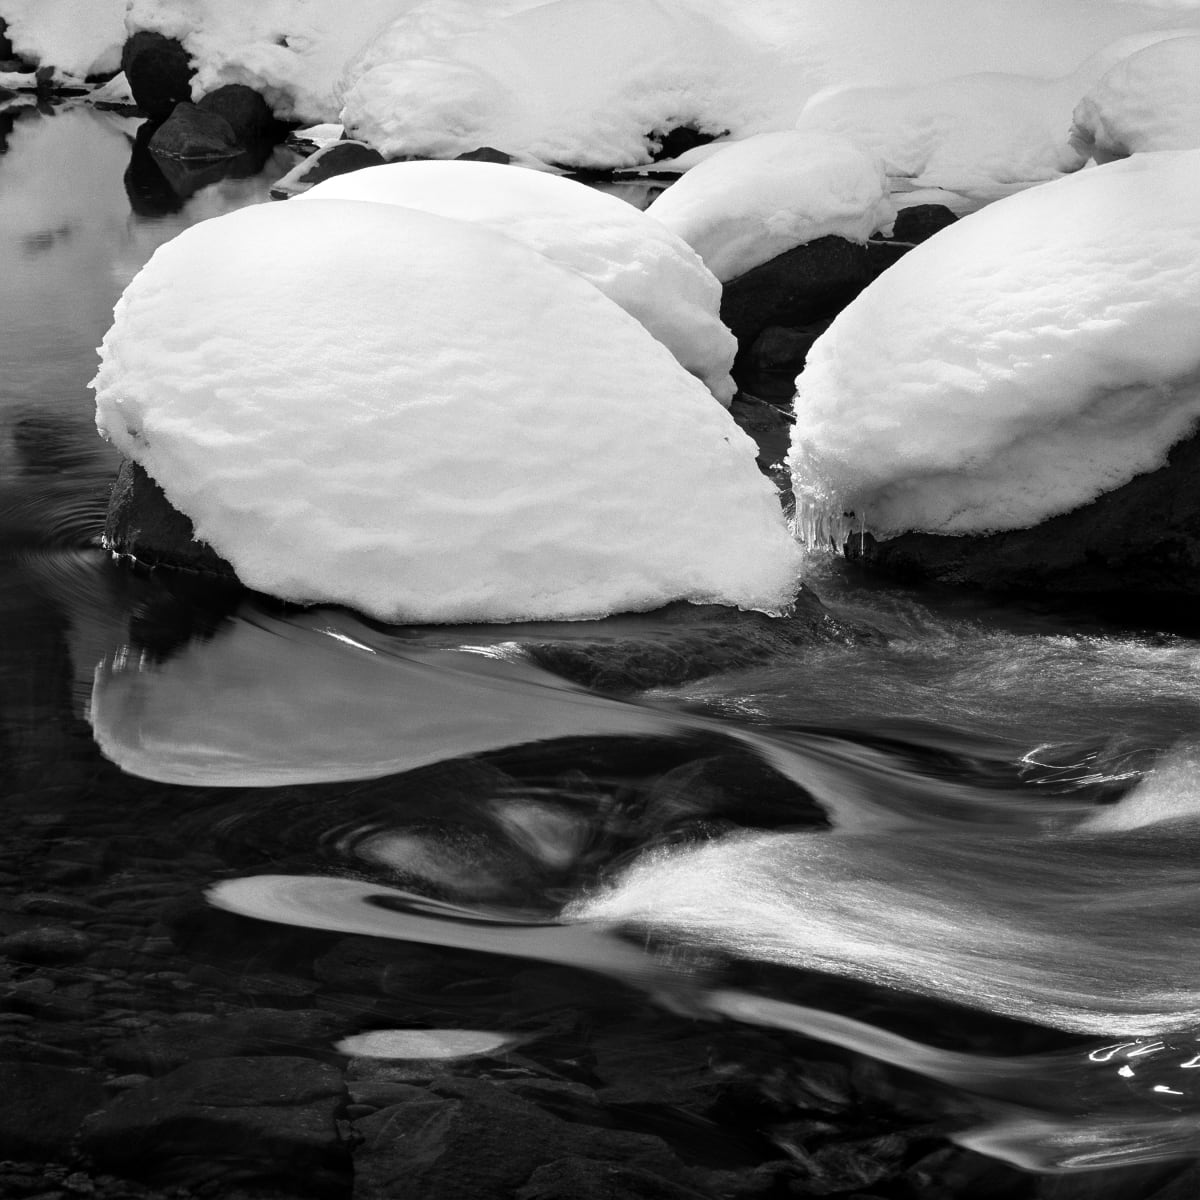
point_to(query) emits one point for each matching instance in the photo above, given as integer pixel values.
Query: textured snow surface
(292, 51)
(756, 198)
(589, 82)
(651, 273)
(428, 421)
(1018, 364)
(79, 37)
(1148, 101)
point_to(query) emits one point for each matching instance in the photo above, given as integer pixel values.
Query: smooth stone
(247, 113)
(194, 133)
(159, 71)
(802, 285)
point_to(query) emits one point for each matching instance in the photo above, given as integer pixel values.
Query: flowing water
(964, 846)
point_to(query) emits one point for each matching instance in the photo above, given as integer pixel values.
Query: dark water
(904, 915)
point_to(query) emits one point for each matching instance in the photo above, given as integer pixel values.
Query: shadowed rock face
(1143, 538)
(159, 71)
(142, 523)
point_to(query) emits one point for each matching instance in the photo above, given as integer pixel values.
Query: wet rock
(583, 1179)
(142, 523)
(682, 642)
(1143, 539)
(192, 132)
(267, 1119)
(258, 1031)
(6, 46)
(159, 71)
(42, 1108)
(464, 1139)
(919, 222)
(769, 367)
(244, 110)
(337, 158)
(7, 94)
(46, 944)
(806, 284)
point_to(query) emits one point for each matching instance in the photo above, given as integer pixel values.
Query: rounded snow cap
(651, 273)
(1020, 363)
(427, 421)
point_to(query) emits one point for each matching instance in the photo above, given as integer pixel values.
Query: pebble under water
(295, 904)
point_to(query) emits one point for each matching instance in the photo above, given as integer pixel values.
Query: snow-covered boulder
(78, 37)
(425, 420)
(585, 83)
(631, 258)
(978, 137)
(753, 199)
(1148, 101)
(1022, 362)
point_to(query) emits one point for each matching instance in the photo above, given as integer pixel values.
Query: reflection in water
(972, 867)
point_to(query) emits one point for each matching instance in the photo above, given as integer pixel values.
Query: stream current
(964, 846)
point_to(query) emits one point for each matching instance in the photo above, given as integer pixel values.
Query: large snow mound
(291, 51)
(1148, 101)
(756, 198)
(579, 82)
(1036, 354)
(636, 262)
(425, 420)
(79, 37)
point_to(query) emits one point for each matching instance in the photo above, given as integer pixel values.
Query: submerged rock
(1142, 538)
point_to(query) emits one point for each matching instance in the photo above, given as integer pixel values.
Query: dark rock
(159, 71)
(671, 143)
(800, 286)
(1141, 539)
(248, 114)
(584, 1179)
(463, 1139)
(768, 368)
(920, 222)
(43, 1107)
(337, 158)
(682, 642)
(6, 46)
(191, 132)
(7, 94)
(46, 944)
(257, 1031)
(485, 154)
(268, 1119)
(142, 523)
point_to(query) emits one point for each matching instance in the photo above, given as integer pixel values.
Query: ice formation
(756, 198)
(652, 274)
(1148, 101)
(1040, 352)
(425, 420)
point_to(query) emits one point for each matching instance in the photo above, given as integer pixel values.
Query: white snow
(1148, 101)
(759, 197)
(425, 420)
(292, 51)
(651, 273)
(79, 37)
(1039, 352)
